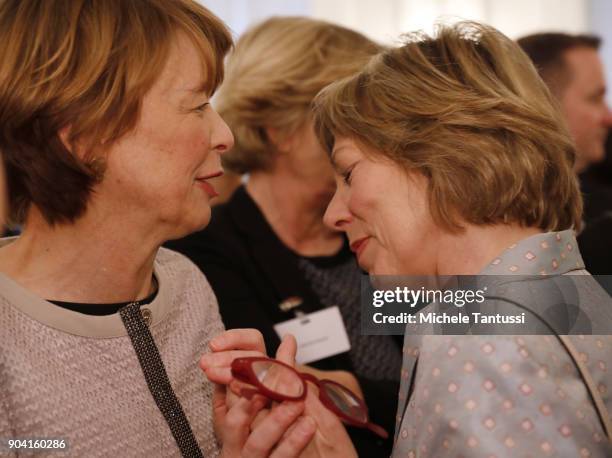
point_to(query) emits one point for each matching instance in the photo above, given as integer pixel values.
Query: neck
(469, 252)
(94, 260)
(295, 211)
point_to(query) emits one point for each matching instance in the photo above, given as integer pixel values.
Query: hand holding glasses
(281, 382)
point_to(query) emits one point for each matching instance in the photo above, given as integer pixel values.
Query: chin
(185, 228)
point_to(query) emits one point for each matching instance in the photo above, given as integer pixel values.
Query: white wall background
(385, 20)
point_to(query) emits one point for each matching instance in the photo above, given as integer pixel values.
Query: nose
(337, 215)
(222, 139)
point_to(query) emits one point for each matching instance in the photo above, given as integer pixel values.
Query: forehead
(585, 65)
(344, 147)
(183, 73)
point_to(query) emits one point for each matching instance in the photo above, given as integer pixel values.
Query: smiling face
(584, 105)
(384, 212)
(157, 174)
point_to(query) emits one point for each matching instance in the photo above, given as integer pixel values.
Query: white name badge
(319, 334)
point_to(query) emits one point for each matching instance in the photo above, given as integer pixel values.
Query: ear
(75, 148)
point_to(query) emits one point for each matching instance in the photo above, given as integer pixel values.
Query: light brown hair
(274, 72)
(467, 110)
(85, 64)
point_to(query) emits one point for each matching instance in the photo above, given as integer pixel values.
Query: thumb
(287, 350)
(219, 405)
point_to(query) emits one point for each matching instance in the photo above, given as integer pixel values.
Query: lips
(206, 186)
(359, 245)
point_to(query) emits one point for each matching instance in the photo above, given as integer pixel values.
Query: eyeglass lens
(278, 378)
(285, 381)
(345, 401)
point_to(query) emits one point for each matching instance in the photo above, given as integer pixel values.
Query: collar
(550, 253)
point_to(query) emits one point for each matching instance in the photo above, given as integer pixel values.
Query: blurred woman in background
(267, 253)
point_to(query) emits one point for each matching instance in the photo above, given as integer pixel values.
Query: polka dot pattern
(502, 396)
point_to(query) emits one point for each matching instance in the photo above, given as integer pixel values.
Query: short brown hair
(547, 52)
(86, 64)
(467, 110)
(274, 72)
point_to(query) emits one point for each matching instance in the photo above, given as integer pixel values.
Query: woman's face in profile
(158, 174)
(384, 212)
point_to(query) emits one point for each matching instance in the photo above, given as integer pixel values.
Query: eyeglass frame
(243, 371)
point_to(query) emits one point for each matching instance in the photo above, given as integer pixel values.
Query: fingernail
(306, 426)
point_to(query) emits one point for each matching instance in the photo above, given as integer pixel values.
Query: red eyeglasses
(281, 382)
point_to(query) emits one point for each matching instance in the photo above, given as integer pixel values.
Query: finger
(271, 429)
(243, 389)
(224, 359)
(220, 375)
(297, 439)
(287, 350)
(323, 416)
(261, 416)
(219, 401)
(236, 426)
(219, 407)
(329, 427)
(239, 339)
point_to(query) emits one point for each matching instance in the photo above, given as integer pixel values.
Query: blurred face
(307, 160)
(584, 106)
(384, 212)
(158, 174)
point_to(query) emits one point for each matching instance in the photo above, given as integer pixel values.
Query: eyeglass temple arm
(378, 430)
(309, 378)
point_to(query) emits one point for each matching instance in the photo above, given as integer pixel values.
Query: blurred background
(385, 20)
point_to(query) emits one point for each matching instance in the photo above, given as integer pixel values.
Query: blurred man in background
(572, 68)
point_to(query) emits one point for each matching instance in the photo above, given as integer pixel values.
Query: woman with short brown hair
(109, 142)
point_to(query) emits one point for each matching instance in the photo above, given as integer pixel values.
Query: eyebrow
(187, 94)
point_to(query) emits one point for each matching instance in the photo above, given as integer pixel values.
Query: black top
(101, 309)
(252, 272)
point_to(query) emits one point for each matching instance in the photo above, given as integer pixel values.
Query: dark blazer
(252, 272)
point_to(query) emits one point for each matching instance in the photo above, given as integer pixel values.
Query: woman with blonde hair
(109, 143)
(451, 159)
(267, 253)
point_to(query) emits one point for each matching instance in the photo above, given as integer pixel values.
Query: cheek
(362, 207)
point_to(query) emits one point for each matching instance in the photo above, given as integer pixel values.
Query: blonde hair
(466, 109)
(274, 72)
(86, 64)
